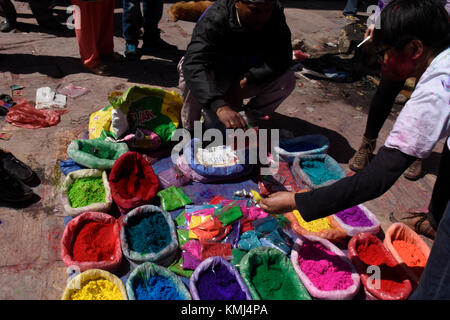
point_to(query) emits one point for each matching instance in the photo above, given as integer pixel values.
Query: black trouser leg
(441, 190)
(8, 10)
(381, 106)
(40, 10)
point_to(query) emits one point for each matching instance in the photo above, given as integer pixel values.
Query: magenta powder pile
(326, 270)
(354, 217)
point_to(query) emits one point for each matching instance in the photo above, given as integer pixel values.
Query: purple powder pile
(218, 283)
(354, 217)
(326, 270)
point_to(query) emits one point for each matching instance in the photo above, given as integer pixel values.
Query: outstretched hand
(278, 203)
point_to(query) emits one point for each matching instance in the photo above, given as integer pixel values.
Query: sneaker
(15, 167)
(12, 189)
(7, 26)
(157, 44)
(131, 52)
(364, 154)
(414, 171)
(418, 221)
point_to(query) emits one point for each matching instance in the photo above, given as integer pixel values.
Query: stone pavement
(30, 263)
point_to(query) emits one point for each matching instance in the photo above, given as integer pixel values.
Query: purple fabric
(217, 279)
(354, 217)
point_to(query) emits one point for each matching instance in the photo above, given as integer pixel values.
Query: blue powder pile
(318, 172)
(157, 288)
(149, 233)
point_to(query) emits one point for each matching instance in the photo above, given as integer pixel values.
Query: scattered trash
(17, 90)
(301, 85)
(359, 108)
(5, 136)
(47, 98)
(73, 91)
(299, 55)
(310, 109)
(331, 44)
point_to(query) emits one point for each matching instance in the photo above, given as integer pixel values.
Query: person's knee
(289, 81)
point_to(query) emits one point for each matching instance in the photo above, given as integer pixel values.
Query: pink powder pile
(326, 270)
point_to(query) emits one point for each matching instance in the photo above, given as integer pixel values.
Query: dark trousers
(133, 19)
(38, 7)
(381, 106)
(434, 283)
(441, 190)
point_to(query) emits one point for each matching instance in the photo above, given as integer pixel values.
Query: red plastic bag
(24, 115)
(132, 181)
(211, 229)
(371, 258)
(213, 249)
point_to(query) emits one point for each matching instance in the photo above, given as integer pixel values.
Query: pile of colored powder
(411, 255)
(272, 283)
(84, 191)
(312, 226)
(157, 288)
(372, 254)
(148, 233)
(326, 270)
(354, 217)
(95, 242)
(100, 289)
(218, 283)
(317, 171)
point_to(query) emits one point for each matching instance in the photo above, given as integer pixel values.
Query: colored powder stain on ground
(312, 226)
(354, 217)
(326, 270)
(272, 283)
(317, 171)
(148, 233)
(85, 191)
(100, 289)
(391, 276)
(218, 283)
(157, 288)
(411, 255)
(95, 241)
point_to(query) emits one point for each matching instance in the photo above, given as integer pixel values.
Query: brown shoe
(113, 57)
(364, 154)
(417, 221)
(100, 70)
(414, 171)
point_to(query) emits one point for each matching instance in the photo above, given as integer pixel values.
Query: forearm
(368, 184)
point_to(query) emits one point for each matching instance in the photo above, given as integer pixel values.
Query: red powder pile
(372, 254)
(95, 242)
(411, 255)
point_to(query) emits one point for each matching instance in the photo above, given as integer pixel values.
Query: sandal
(418, 221)
(100, 70)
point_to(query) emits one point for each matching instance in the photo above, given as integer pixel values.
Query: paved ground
(30, 264)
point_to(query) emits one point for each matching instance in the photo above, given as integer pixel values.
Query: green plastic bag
(237, 257)
(96, 154)
(146, 108)
(270, 275)
(229, 214)
(173, 198)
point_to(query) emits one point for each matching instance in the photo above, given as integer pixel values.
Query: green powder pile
(85, 191)
(272, 283)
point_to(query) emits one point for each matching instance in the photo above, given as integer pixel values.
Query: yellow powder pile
(100, 289)
(313, 226)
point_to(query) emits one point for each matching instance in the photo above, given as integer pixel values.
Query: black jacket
(221, 45)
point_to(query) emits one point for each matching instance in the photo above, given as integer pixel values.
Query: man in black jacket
(239, 49)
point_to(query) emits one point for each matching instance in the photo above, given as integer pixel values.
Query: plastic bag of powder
(173, 198)
(212, 249)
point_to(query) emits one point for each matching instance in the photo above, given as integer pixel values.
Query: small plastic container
(172, 177)
(288, 149)
(351, 230)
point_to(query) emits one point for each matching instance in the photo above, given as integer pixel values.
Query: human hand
(230, 118)
(278, 202)
(369, 32)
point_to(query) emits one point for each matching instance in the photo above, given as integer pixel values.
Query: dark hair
(404, 20)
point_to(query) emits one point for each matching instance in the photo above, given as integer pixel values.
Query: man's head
(411, 32)
(254, 14)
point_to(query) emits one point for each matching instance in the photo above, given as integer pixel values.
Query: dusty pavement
(30, 264)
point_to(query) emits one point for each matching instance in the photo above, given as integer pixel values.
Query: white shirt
(425, 118)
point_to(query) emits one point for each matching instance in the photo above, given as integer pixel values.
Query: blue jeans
(351, 7)
(435, 281)
(133, 20)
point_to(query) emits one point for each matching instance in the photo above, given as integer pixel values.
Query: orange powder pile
(411, 255)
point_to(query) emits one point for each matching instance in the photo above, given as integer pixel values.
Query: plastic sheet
(24, 115)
